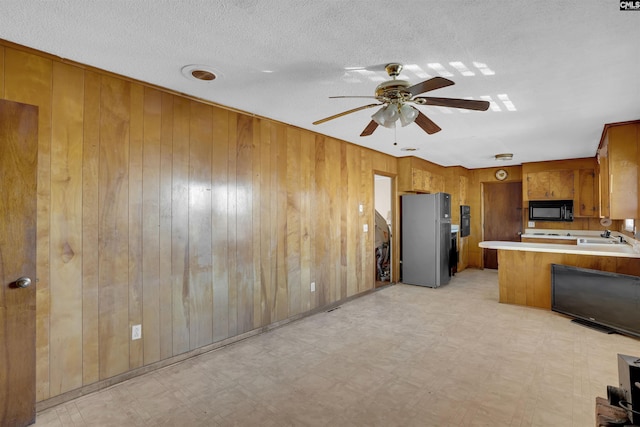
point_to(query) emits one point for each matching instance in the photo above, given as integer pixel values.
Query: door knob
(23, 282)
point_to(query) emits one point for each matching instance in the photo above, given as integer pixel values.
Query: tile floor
(402, 356)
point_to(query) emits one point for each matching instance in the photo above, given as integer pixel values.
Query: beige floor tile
(402, 356)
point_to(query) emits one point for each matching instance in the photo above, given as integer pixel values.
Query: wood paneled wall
(197, 222)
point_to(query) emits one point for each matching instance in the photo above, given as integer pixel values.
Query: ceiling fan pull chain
(395, 135)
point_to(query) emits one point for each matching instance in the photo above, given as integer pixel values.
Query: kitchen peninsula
(524, 268)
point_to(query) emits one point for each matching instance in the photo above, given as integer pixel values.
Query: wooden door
(502, 216)
(18, 162)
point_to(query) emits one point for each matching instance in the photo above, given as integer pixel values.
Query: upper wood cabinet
(618, 156)
(555, 184)
(436, 183)
(413, 178)
(586, 195)
(603, 179)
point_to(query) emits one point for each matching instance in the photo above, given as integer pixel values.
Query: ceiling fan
(395, 96)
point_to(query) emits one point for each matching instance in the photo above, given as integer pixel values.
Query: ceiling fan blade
(467, 104)
(372, 126)
(427, 85)
(347, 96)
(426, 124)
(344, 113)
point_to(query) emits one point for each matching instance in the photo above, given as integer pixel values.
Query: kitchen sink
(597, 241)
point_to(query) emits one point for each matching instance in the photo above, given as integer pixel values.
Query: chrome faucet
(607, 233)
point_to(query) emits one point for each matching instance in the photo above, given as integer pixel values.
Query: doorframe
(482, 213)
(395, 225)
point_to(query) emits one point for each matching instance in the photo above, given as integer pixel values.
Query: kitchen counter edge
(620, 251)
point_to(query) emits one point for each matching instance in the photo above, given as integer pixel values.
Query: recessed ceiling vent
(201, 73)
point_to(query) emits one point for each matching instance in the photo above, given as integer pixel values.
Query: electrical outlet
(361, 208)
(313, 286)
(136, 332)
(531, 224)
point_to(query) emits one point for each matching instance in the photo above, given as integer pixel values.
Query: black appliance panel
(551, 210)
(465, 220)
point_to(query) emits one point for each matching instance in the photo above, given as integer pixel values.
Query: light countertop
(622, 250)
(536, 233)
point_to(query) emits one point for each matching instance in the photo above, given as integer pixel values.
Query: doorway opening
(383, 202)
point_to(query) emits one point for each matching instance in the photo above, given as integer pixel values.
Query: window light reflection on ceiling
(418, 71)
(507, 102)
(438, 68)
(352, 74)
(484, 69)
(494, 106)
(462, 69)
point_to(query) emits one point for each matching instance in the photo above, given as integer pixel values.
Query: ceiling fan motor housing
(393, 90)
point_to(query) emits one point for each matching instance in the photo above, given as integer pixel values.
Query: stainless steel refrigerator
(426, 239)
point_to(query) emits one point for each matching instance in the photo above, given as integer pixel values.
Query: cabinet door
(416, 179)
(586, 196)
(603, 179)
(426, 181)
(437, 183)
(561, 185)
(538, 185)
(623, 172)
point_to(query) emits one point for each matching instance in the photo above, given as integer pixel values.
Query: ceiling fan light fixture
(504, 156)
(408, 114)
(386, 116)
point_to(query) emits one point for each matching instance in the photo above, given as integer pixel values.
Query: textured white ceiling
(567, 66)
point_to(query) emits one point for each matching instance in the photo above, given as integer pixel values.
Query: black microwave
(551, 210)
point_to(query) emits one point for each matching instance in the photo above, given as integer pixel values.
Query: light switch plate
(365, 228)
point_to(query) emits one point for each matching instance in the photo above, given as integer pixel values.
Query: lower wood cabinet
(552, 241)
(524, 277)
